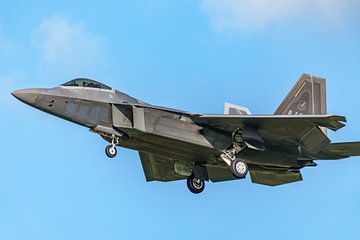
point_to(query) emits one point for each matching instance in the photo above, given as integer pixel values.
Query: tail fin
(307, 97)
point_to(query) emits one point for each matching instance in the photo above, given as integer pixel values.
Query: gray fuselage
(144, 127)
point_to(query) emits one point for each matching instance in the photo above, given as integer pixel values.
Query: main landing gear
(111, 150)
(195, 185)
(238, 167)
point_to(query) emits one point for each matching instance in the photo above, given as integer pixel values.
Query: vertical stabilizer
(307, 97)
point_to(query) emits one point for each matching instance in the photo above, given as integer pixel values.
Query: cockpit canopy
(85, 82)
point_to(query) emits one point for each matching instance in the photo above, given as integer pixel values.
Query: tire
(239, 168)
(111, 151)
(195, 185)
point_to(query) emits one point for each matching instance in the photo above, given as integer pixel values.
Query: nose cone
(28, 96)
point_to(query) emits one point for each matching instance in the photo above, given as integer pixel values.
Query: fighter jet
(175, 145)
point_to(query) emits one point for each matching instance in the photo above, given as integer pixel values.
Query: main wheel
(110, 151)
(239, 168)
(195, 185)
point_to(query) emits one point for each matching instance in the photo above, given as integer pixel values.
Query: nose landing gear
(111, 150)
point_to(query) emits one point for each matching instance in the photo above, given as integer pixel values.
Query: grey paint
(170, 141)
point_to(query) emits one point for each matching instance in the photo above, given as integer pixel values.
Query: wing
(159, 168)
(273, 177)
(260, 175)
(281, 128)
(219, 173)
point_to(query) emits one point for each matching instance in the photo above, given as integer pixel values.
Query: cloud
(259, 14)
(68, 44)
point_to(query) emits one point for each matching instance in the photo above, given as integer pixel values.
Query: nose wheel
(195, 185)
(111, 150)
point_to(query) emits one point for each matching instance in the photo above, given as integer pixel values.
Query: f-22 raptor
(175, 144)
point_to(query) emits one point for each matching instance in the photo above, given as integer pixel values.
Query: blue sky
(55, 180)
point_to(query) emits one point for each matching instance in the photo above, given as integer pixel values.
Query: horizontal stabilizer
(346, 149)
